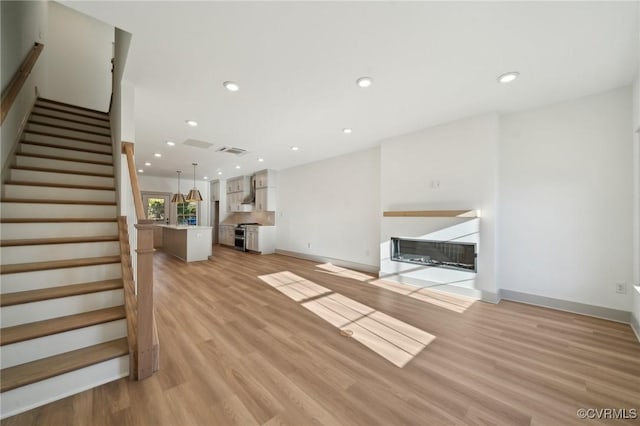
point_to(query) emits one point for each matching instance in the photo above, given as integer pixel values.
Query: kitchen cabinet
(189, 243)
(265, 199)
(266, 179)
(237, 190)
(227, 235)
(260, 239)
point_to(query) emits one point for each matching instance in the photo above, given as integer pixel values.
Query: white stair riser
(71, 109)
(72, 124)
(35, 280)
(44, 210)
(71, 116)
(63, 306)
(66, 133)
(47, 163)
(67, 143)
(26, 148)
(18, 175)
(40, 393)
(55, 344)
(28, 192)
(14, 231)
(48, 252)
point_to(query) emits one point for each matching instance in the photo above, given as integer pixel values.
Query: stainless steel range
(240, 242)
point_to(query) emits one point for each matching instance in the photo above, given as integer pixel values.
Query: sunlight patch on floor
(394, 340)
(343, 272)
(452, 302)
(294, 286)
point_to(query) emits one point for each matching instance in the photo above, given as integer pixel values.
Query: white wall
(23, 24)
(170, 185)
(636, 179)
(80, 50)
(334, 206)
(460, 158)
(566, 200)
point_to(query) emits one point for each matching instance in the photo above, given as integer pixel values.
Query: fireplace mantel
(431, 213)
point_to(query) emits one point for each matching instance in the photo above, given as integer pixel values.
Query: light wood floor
(235, 351)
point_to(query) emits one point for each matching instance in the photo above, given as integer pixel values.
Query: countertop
(185, 227)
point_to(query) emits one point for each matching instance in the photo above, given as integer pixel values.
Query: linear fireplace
(444, 254)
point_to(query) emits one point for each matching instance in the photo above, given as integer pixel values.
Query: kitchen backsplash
(263, 218)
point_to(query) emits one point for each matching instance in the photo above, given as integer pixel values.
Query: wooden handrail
(13, 89)
(127, 149)
(147, 346)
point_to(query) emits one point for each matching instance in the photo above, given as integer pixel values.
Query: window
(155, 208)
(187, 213)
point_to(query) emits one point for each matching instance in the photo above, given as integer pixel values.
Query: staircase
(61, 305)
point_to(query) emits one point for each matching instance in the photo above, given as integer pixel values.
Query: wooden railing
(13, 89)
(146, 341)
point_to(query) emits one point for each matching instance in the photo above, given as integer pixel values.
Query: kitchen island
(189, 243)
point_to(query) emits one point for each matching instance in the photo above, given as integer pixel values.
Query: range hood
(251, 198)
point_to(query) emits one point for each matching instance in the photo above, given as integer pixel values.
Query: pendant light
(194, 194)
(178, 197)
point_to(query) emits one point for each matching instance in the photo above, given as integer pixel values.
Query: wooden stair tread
(60, 185)
(77, 113)
(20, 297)
(55, 157)
(61, 240)
(37, 132)
(73, 129)
(45, 368)
(56, 201)
(51, 101)
(57, 264)
(69, 172)
(70, 148)
(57, 219)
(33, 330)
(54, 117)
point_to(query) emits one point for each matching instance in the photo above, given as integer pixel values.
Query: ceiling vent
(230, 150)
(197, 143)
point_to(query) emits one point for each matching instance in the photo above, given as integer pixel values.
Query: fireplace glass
(443, 254)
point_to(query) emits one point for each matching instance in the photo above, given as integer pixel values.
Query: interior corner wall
(565, 229)
(170, 185)
(331, 208)
(23, 24)
(80, 49)
(447, 167)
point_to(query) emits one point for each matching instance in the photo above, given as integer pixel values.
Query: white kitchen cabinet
(227, 235)
(266, 179)
(265, 199)
(260, 239)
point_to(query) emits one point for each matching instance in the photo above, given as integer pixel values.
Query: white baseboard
(635, 326)
(568, 306)
(339, 262)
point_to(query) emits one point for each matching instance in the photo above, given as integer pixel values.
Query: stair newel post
(145, 298)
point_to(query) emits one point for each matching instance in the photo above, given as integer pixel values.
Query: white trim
(339, 262)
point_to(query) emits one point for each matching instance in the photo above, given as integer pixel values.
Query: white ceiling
(297, 63)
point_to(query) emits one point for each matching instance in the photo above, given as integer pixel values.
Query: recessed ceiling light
(140, 171)
(237, 167)
(261, 159)
(347, 131)
(219, 173)
(294, 148)
(157, 154)
(171, 143)
(147, 164)
(192, 123)
(508, 77)
(231, 86)
(206, 177)
(364, 81)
